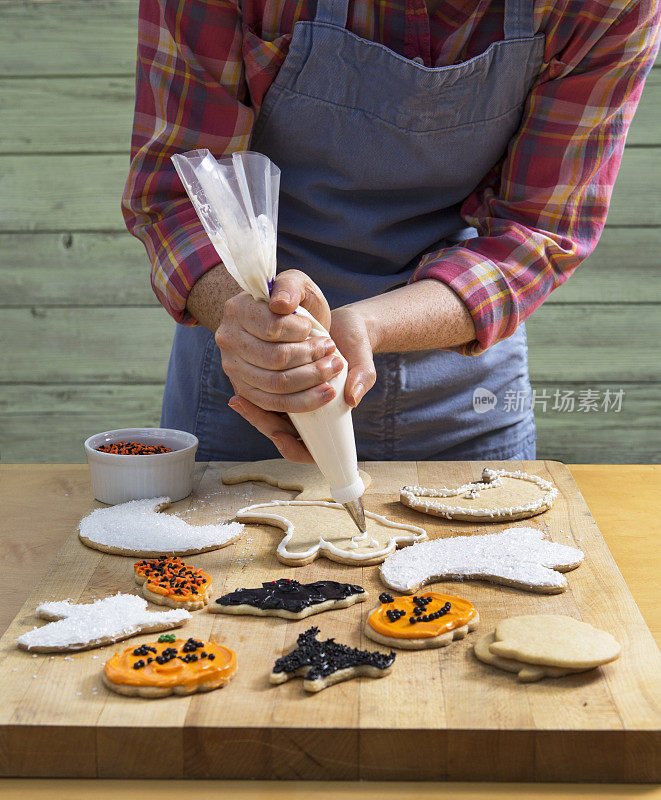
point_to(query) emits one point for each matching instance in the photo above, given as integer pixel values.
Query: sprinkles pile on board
(133, 449)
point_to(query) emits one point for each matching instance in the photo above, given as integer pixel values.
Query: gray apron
(377, 153)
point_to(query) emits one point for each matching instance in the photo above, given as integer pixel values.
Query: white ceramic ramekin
(117, 479)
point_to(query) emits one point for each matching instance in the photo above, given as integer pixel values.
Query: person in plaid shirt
(445, 166)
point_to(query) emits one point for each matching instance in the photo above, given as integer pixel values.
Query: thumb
(293, 288)
(354, 344)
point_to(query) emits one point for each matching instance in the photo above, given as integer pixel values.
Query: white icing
(254, 514)
(137, 526)
(415, 496)
(76, 625)
(515, 555)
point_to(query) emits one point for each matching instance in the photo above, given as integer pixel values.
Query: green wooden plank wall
(85, 345)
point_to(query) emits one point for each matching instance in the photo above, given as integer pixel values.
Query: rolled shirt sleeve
(541, 210)
(190, 93)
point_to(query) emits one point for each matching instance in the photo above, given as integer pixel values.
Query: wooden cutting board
(441, 714)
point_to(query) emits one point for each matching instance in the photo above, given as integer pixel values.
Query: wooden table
(51, 499)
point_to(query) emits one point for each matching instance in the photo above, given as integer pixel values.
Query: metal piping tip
(357, 513)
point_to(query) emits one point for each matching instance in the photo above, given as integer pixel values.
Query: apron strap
(333, 12)
(519, 19)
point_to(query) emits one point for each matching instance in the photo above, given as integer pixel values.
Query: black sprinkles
(328, 657)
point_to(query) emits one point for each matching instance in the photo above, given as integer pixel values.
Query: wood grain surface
(424, 721)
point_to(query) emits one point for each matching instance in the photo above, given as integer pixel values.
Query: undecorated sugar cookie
(81, 626)
(499, 495)
(322, 664)
(519, 557)
(546, 645)
(169, 581)
(288, 598)
(166, 667)
(138, 528)
(306, 479)
(526, 673)
(421, 622)
(316, 528)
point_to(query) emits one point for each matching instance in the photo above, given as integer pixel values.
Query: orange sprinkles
(171, 577)
(133, 449)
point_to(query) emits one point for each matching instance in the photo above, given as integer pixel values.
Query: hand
(274, 368)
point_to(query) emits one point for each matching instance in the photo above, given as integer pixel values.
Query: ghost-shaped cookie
(519, 557)
(82, 626)
(315, 528)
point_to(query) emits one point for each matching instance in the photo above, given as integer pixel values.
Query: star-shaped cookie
(316, 528)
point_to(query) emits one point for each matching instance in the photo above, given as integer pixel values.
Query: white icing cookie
(303, 478)
(546, 645)
(519, 557)
(82, 626)
(137, 528)
(314, 529)
(500, 495)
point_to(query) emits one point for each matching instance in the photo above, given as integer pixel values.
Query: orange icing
(165, 575)
(460, 613)
(119, 668)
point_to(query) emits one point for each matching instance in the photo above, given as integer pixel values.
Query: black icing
(290, 595)
(325, 658)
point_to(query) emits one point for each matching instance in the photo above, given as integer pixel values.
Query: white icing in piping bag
(236, 200)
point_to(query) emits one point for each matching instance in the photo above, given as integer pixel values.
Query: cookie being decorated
(306, 479)
(499, 495)
(138, 528)
(82, 626)
(423, 621)
(170, 666)
(322, 664)
(289, 598)
(538, 646)
(316, 528)
(519, 557)
(169, 581)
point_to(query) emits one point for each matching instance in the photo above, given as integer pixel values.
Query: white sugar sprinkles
(81, 626)
(138, 528)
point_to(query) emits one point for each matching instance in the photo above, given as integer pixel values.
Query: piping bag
(236, 199)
